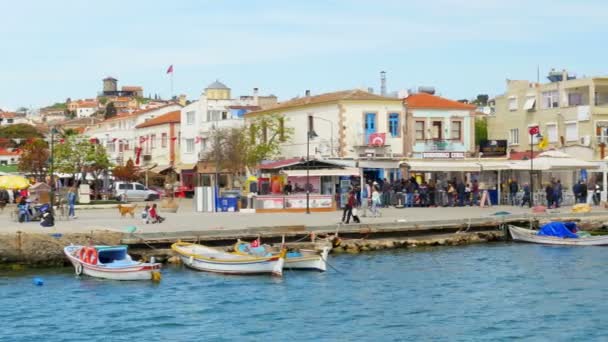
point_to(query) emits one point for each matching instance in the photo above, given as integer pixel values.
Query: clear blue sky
(51, 50)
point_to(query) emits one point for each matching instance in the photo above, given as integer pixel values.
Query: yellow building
(572, 115)
(217, 91)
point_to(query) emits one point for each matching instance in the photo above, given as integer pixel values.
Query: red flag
(534, 130)
(170, 70)
(197, 140)
(377, 139)
(142, 140)
(137, 154)
(173, 138)
(114, 139)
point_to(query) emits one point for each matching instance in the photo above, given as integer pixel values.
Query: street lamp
(52, 164)
(310, 134)
(533, 131)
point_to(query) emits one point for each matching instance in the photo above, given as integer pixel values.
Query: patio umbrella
(14, 182)
(553, 161)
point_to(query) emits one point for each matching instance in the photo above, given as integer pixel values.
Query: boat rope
(330, 265)
(303, 238)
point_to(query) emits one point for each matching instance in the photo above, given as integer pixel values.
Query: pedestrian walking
(348, 207)
(549, 195)
(513, 189)
(460, 190)
(475, 192)
(366, 195)
(376, 202)
(526, 198)
(597, 194)
(386, 193)
(71, 199)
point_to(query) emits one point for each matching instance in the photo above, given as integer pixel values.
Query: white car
(130, 191)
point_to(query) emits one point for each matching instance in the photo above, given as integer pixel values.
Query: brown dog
(127, 209)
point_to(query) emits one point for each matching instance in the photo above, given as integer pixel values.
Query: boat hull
(137, 271)
(527, 235)
(310, 259)
(206, 259)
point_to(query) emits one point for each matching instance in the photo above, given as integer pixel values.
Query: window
(550, 99)
(512, 103)
(456, 133)
(125, 186)
(163, 140)
(10, 121)
(571, 131)
(552, 133)
(514, 136)
(282, 129)
(139, 187)
(530, 102)
(419, 130)
(153, 141)
(311, 123)
(190, 118)
(436, 131)
(224, 115)
(110, 146)
(3, 162)
(189, 145)
(393, 124)
(126, 145)
(575, 99)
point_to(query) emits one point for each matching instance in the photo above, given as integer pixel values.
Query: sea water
(484, 292)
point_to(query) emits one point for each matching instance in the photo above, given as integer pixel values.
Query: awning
(185, 166)
(160, 168)
(456, 166)
(529, 105)
(322, 172)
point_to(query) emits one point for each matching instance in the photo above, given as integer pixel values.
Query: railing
(439, 144)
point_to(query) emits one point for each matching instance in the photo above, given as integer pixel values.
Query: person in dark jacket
(549, 195)
(513, 189)
(461, 190)
(576, 189)
(526, 198)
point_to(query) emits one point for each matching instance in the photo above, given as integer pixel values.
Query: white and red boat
(110, 262)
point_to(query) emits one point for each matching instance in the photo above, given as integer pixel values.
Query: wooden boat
(110, 262)
(527, 235)
(303, 259)
(208, 259)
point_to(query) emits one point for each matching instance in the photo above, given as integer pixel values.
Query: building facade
(439, 128)
(159, 139)
(571, 113)
(354, 126)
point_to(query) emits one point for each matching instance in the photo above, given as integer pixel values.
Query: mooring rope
(330, 265)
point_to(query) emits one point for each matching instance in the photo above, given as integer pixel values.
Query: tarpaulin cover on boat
(559, 229)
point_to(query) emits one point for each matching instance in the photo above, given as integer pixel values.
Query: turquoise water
(485, 292)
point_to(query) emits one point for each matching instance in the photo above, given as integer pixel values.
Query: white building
(9, 156)
(354, 126)
(118, 134)
(9, 118)
(160, 136)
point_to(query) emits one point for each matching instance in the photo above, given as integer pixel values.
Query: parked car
(127, 191)
(159, 191)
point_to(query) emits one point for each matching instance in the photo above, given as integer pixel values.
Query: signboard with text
(443, 155)
(493, 148)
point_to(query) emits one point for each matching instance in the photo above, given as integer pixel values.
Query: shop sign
(493, 148)
(313, 202)
(443, 155)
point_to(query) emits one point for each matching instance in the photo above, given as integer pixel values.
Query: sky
(52, 50)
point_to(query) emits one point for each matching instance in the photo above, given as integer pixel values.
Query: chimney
(255, 97)
(370, 90)
(383, 83)
(307, 93)
(182, 100)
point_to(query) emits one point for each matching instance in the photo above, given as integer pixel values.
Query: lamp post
(310, 133)
(533, 131)
(52, 166)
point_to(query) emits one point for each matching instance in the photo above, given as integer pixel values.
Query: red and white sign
(533, 130)
(443, 155)
(377, 139)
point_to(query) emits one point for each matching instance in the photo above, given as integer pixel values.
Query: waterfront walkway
(188, 220)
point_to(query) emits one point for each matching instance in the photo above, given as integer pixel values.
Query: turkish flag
(170, 70)
(137, 155)
(534, 130)
(142, 140)
(377, 139)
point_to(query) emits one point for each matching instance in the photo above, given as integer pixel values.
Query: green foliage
(74, 156)
(34, 158)
(19, 131)
(58, 105)
(102, 100)
(481, 130)
(110, 110)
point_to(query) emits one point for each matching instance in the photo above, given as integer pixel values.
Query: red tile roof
(280, 163)
(5, 152)
(171, 117)
(423, 100)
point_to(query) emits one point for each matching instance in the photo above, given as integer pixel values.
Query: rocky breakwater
(364, 245)
(43, 250)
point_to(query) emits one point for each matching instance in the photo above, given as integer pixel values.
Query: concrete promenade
(187, 220)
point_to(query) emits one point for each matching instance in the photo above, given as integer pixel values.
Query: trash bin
(227, 204)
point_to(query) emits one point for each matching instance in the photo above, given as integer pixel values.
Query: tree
(481, 100)
(19, 131)
(74, 156)
(102, 100)
(97, 161)
(35, 158)
(481, 130)
(110, 110)
(126, 173)
(236, 149)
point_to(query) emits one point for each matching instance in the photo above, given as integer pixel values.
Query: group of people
(553, 193)
(150, 215)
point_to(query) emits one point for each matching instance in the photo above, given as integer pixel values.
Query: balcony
(439, 144)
